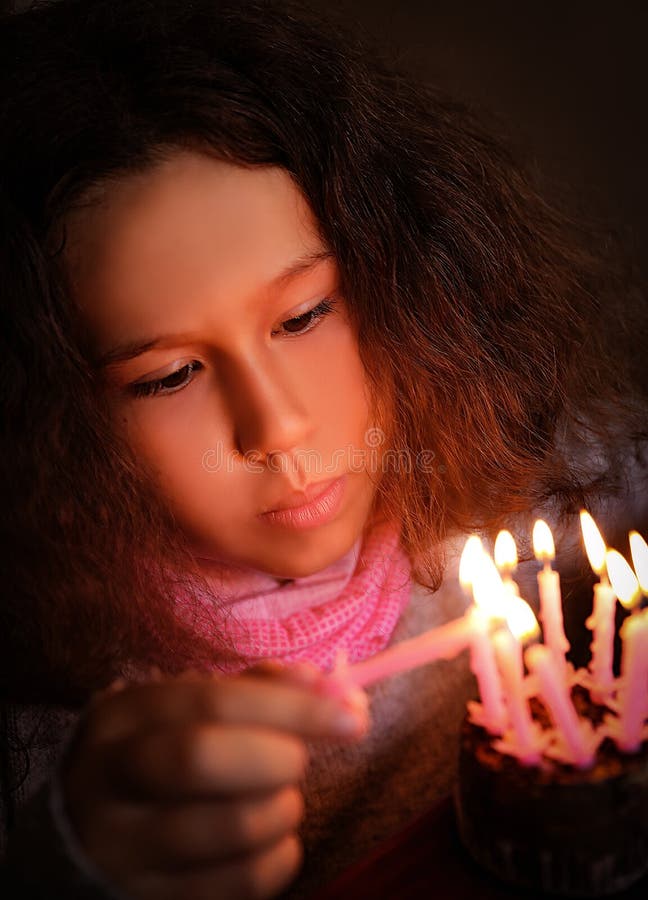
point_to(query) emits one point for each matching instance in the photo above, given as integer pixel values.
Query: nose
(268, 414)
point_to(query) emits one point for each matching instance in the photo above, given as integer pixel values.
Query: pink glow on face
(224, 265)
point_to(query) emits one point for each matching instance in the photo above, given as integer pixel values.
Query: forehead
(192, 229)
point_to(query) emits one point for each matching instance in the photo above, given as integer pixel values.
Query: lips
(319, 511)
(300, 498)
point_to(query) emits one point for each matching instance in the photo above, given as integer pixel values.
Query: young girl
(279, 328)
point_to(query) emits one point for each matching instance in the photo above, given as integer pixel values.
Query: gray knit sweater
(356, 795)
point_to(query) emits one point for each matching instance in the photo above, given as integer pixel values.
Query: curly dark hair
(501, 328)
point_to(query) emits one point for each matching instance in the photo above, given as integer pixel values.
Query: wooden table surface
(427, 860)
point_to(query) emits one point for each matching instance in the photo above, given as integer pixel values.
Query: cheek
(189, 466)
(348, 392)
(171, 442)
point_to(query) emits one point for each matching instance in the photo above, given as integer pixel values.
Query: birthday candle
(443, 642)
(633, 693)
(484, 667)
(471, 630)
(489, 595)
(521, 624)
(554, 693)
(634, 681)
(550, 598)
(602, 621)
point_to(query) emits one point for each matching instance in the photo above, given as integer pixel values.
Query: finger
(236, 700)
(204, 833)
(266, 667)
(257, 877)
(175, 837)
(302, 672)
(202, 761)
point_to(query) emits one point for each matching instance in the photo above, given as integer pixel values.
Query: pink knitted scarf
(352, 605)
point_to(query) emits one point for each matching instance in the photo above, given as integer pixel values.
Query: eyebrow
(132, 349)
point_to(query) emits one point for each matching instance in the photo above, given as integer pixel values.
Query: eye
(179, 379)
(171, 383)
(308, 320)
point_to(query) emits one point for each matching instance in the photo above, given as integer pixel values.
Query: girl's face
(231, 365)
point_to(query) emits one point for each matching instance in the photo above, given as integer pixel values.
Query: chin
(308, 557)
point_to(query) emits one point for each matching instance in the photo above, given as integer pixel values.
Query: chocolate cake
(553, 827)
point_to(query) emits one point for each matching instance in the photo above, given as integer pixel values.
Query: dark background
(568, 82)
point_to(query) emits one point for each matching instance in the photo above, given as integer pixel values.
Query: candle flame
(505, 551)
(469, 562)
(488, 587)
(639, 550)
(622, 578)
(594, 543)
(521, 619)
(543, 543)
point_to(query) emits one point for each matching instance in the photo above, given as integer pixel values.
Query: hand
(189, 787)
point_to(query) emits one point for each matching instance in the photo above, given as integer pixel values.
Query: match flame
(521, 619)
(469, 562)
(622, 578)
(639, 550)
(505, 552)
(594, 543)
(543, 543)
(488, 588)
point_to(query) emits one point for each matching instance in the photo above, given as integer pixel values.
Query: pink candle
(602, 621)
(482, 662)
(633, 696)
(555, 695)
(550, 598)
(490, 605)
(444, 642)
(508, 653)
